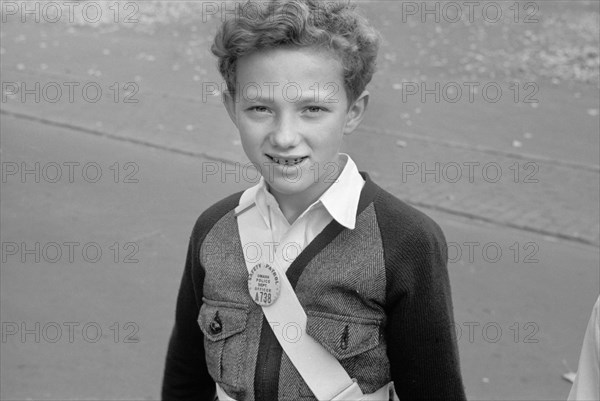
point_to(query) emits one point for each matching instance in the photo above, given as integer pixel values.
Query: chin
(287, 187)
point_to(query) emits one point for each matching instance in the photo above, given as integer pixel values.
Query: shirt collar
(340, 199)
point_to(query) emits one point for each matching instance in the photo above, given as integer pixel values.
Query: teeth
(287, 162)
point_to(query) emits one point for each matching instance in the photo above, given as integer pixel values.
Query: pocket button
(216, 326)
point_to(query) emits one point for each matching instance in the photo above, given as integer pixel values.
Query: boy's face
(292, 111)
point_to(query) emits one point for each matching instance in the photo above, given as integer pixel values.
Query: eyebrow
(302, 101)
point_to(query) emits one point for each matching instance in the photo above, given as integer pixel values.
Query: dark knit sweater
(377, 297)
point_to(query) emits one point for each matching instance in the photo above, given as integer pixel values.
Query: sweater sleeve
(186, 375)
(422, 346)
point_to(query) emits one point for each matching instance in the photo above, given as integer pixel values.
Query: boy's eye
(259, 109)
(314, 109)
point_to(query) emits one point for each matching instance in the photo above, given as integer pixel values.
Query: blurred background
(113, 140)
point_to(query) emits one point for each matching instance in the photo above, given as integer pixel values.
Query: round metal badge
(264, 284)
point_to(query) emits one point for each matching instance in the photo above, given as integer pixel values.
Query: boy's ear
(229, 102)
(356, 113)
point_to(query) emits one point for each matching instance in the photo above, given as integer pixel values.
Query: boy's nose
(285, 134)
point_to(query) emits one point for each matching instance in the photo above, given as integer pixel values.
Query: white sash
(321, 371)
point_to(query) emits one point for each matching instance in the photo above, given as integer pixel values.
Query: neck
(292, 206)
(292, 212)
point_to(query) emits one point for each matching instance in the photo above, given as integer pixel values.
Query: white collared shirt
(339, 202)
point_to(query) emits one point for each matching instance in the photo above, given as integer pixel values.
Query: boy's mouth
(287, 161)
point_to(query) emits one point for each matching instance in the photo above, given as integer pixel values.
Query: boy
(323, 286)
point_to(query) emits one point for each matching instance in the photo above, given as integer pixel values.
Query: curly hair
(332, 26)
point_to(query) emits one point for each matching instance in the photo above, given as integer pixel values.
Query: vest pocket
(355, 342)
(343, 336)
(223, 325)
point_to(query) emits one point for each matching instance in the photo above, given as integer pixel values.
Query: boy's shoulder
(214, 213)
(407, 234)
